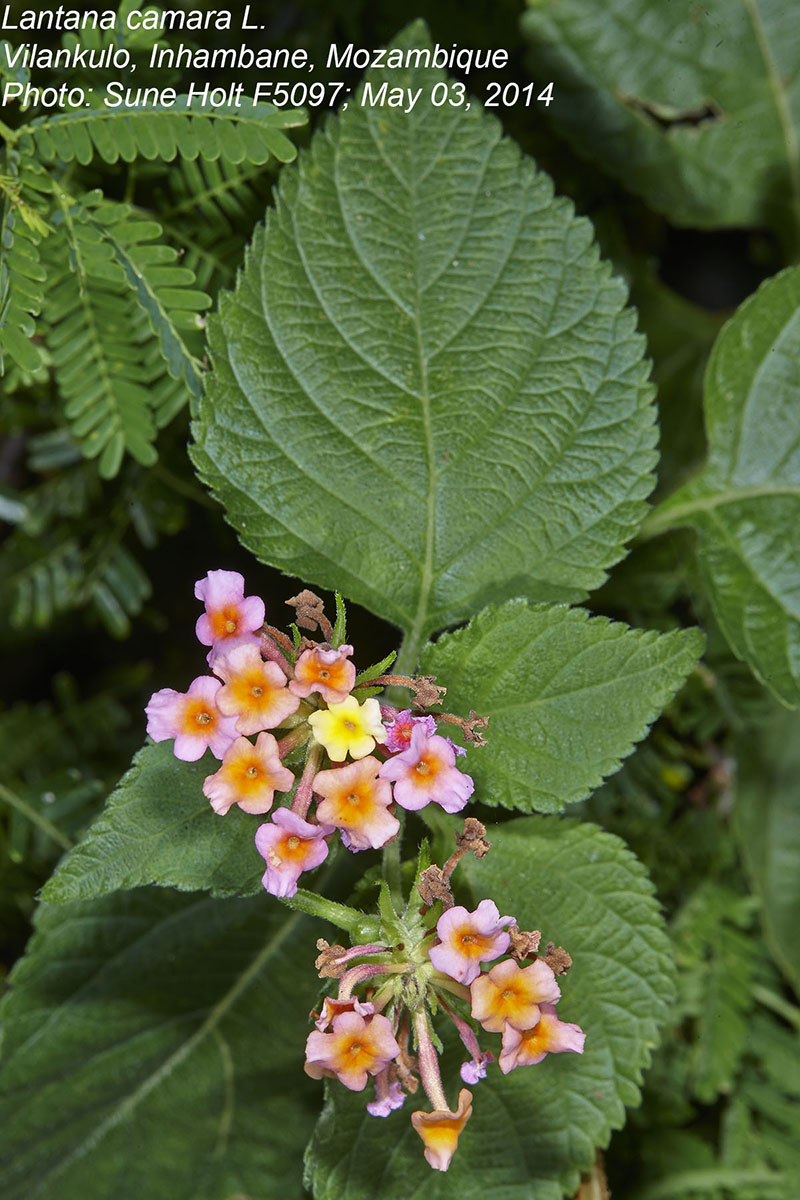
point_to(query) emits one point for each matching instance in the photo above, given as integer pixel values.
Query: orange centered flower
(357, 802)
(357, 1047)
(473, 945)
(249, 776)
(198, 712)
(511, 995)
(255, 691)
(526, 1047)
(467, 939)
(290, 846)
(326, 671)
(224, 621)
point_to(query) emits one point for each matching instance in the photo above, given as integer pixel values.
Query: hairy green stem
(408, 654)
(340, 915)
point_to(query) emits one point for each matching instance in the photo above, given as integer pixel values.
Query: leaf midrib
(788, 131)
(412, 642)
(125, 1107)
(669, 517)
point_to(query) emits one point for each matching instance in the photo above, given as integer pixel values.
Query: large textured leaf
(767, 822)
(154, 1048)
(426, 389)
(747, 498)
(567, 696)
(533, 1131)
(159, 828)
(694, 107)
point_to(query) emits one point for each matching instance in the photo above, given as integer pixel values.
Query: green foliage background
(117, 237)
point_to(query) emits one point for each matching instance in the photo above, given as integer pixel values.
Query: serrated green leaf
(567, 696)
(158, 827)
(748, 495)
(654, 93)
(425, 351)
(533, 1131)
(149, 1044)
(767, 824)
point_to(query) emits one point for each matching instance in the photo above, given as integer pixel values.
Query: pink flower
(230, 619)
(525, 1047)
(398, 733)
(475, 1069)
(192, 719)
(357, 1047)
(255, 691)
(356, 802)
(388, 1096)
(332, 1007)
(290, 846)
(469, 938)
(459, 750)
(426, 772)
(325, 671)
(249, 776)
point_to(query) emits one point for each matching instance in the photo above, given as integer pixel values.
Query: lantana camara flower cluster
(379, 1025)
(362, 758)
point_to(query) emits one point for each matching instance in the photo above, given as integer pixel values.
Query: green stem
(777, 1004)
(35, 818)
(341, 915)
(8, 135)
(182, 487)
(408, 654)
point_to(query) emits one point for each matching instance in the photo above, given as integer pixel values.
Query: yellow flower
(348, 728)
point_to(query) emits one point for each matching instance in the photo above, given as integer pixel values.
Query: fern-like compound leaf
(252, 132)
(22, 274)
